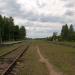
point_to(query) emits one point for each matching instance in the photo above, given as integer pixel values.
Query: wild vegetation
(61, 57)
(9, 31)
(67, 34)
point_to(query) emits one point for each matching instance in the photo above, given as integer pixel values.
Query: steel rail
(9, 51)
(13, 63)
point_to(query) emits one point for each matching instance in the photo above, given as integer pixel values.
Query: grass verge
(31, 64)
(63, 58)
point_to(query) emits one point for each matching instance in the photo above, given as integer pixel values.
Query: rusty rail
(10, 51)
(13, 63)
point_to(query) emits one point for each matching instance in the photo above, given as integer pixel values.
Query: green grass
(31, 63)
(63, 58)
(6, 49)
(70, 43)
(65, 43)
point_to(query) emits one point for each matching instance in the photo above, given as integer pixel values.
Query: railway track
(10, 51)
(63, 44)
(8, 60)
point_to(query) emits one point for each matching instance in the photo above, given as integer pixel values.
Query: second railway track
(8, 61)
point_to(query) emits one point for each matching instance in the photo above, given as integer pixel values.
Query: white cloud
(46, 7)
(40, 17)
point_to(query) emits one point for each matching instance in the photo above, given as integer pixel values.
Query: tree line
(9, 31)
(67, 34)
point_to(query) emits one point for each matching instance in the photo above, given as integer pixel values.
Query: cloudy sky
(40, 17)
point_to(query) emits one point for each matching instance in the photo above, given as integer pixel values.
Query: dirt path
(47, 64)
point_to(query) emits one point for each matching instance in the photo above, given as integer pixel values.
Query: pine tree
(65, 32)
